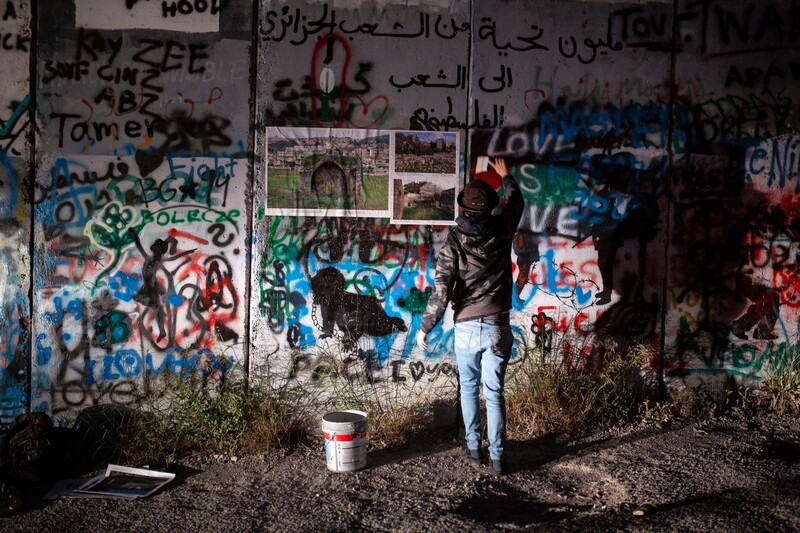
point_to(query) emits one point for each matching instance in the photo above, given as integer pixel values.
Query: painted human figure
(607, 239)
(153, 294)
(618, 209)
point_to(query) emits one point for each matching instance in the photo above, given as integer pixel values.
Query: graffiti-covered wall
(15, 210)
(732, 256)
(219, 183)
(344, 295)
(140, 213)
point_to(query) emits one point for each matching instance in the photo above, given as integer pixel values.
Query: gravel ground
(713, 475)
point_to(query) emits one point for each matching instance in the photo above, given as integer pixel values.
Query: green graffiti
(416, 301)
(283, 244)
(171, 217)
(112, 328)
(109, 230)
(711, 346)
(547, 184)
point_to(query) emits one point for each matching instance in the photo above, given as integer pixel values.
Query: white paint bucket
(345, 435)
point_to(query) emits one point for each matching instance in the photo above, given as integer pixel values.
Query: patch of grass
(282, 180)
(687, 403)
(283, 185)
(185, 417)
(547, 393)
(234, 418)
(375, 192)
(778, 393)
(427, 213)
(391, 423)
(781, 387)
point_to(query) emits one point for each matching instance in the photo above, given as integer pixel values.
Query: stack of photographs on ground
(117, 482)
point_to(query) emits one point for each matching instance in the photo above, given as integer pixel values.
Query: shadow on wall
(725, 244)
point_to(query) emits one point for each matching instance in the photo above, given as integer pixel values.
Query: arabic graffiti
(569, 48)
(488, 30)
(421, 80)
(329, 96)
(426, 119)
(293, 24)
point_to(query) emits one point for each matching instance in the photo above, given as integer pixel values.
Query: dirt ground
(712, 475)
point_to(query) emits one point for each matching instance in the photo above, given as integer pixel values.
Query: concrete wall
(15, 215)
(140, 216)
(654, 142)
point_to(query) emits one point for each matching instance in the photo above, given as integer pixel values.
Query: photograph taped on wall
(197, 17)
(327, 172)
(424, 152)
(424, 177)
(424, 199)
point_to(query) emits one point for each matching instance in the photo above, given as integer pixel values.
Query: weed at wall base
(178, 418)
(545, 393)
(781, 387)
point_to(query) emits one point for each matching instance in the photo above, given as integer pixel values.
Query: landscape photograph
(422, 152)
(421, 200)
(324, 171)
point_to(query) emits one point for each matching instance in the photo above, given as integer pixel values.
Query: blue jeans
(483, 349)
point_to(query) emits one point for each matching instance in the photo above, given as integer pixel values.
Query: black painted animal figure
(354, 314)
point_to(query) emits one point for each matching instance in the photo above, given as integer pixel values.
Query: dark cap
(478, 196)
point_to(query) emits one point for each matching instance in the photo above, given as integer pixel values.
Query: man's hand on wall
(499, 165)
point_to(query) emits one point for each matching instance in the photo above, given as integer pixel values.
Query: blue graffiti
(74, 306)
(7, 205)
(124, 286)
(126, 363)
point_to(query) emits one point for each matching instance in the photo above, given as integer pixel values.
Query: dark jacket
(473, 270)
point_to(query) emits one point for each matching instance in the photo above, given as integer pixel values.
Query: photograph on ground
(327, 172)
(125, 482)
(420, 152)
